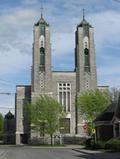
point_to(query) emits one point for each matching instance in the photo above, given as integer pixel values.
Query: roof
(108, 114)
(41, 21)
(63, 71)
(23, 85)
(84, 23)
(9, 115)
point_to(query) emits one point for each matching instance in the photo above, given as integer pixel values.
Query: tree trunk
(51, 136)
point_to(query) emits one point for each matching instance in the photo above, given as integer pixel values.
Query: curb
(88, 152)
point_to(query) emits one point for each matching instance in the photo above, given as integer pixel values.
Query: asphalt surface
(24, 152)
(36, 153)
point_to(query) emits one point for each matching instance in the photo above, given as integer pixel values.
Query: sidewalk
(92, 154)
(86, 151)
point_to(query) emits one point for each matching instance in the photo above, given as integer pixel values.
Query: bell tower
(85, 65)
(85, 60)
(41, 68)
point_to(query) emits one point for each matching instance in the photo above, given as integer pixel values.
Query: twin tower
(63, 86)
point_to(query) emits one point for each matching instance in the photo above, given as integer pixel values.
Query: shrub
(100, 144)
(113, 144)
(88, 142)
(92, 144)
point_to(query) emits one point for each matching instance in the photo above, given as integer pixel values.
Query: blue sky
(16, 36)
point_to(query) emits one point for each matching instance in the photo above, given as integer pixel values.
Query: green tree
(114, 93)
(45, 116)
(92, 103)
(1, 126)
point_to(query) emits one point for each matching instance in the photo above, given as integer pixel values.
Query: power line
(6, 93)
(6, 108)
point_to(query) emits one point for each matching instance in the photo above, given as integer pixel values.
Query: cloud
(62, 43)
(20, 17)
(7, 103)
(107, 42)
(113, 69)
(14, 62)
(29, 2)
(16, 35)
(106, 26)
(111, 81)
(16, 40)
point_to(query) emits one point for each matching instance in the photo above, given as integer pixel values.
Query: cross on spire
(41, 9)
(83, 14)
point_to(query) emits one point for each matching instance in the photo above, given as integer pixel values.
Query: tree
(114, 93)
(1, 126)
(92, 103)
(45, 116)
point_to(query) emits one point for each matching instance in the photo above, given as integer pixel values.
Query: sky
(16, 37)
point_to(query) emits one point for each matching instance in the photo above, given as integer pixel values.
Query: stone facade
(62, 86)
(23, 95)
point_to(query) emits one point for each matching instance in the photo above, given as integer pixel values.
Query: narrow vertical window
(42, 56)
(68, 101)
(64, 100)
(42, 29)
(64, 93)
(60, 97)
(87, 60)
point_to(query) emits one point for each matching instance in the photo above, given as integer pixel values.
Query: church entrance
(65, 126)
(24, 138)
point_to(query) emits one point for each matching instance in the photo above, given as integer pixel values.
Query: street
(26, 152)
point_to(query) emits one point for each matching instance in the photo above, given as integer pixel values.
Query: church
(63, 86)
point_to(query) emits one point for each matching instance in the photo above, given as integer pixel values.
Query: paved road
(50, 153)
(36, 153)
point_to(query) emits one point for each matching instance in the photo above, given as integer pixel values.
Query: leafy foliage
(114, 93)
(45, 115)
(92, 103)
(1, 125)
(113, 144)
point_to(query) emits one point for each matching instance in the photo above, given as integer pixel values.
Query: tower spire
(41, 11)
(83, 14)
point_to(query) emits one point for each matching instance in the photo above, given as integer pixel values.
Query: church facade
(63, 86)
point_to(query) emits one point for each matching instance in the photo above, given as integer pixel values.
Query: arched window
(41, 41)
(42, 29)
(86, 52)
(42, 56)
(87, 60)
